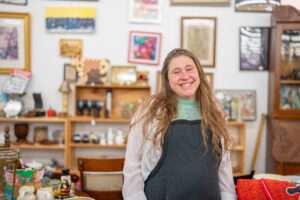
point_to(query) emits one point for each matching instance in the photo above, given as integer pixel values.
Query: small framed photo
(198, 35)
(123, 75)
(210, 79)
(158, 81)
(254, 48)
(147, 11)
(237, 105)
(70, 73)
(15, 42)
(201, 2)
(144, 47)
(70, 47)
(16, 2)
(256, 6)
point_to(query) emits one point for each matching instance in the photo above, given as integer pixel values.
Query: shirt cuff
(228, 196)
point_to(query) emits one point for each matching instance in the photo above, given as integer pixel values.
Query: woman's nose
(184, 75)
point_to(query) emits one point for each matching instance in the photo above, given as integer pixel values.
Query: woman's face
(183, 77)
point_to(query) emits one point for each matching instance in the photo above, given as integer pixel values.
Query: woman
(168, 156)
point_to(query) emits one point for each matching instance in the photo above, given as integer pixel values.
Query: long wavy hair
(161, 108)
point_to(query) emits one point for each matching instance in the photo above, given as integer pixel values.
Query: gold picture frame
(198, 35)
(123, 75)
(158, 81)
(201, 2)
(15, 27)
(210, 79)
(70, 47)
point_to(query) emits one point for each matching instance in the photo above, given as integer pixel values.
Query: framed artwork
(121, 75)
(158, 81)
(237, 105)
(70, 73)
(70, 19)
(146, 11)
(16, 2)
(70, 47)
(254, 48)
(198, 35)
(15, 41)
(210, 79)
(201, 2)
(256, 6)
(144, 47)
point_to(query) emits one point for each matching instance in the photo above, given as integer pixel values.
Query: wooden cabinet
(237, 131)
(284, 82)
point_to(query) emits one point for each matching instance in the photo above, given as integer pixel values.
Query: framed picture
(198, 35)
(147, 11)
(15, 41)
(121, 75)
(70, 19)
(144, 47)
(16, 2)
(201, 2)
(70, 47)
(210, 79)
(260, 6)
(254, 48)
(237, 105)
(158, 81)
(70, 73)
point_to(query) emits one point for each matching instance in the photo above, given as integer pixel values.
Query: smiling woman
(176, 135)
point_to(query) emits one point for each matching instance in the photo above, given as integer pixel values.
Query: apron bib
(186, 170)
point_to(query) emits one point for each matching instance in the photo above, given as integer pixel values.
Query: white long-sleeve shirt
(141, 158)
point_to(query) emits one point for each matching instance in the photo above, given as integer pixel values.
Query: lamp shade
(65, 87)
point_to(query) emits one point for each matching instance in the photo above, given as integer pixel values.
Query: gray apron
(186, 170)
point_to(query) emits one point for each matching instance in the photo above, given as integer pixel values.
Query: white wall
(111, 41)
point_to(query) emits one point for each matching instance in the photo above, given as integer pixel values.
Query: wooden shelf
(34, 119)
(37, 146)
(235, 123)
(296, 82)
(90, 145)
(102, 120)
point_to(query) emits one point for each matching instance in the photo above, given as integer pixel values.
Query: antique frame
(15, 2)
(198, 35)
(121, 75)
(70, 47)
(210, 79)
(17, 27)
(70, 73)
(254, 6)
(237, 104)
(144, 47)
(145, 11)
(158, 81)
(201, 2)
(254, 48)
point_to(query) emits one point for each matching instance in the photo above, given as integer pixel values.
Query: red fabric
(265, 189)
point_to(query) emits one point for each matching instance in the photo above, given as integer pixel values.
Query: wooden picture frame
(14, 27)
(70, 73)
(14, 2)
(254, 48)
(158, 81)
(256, 6)
(200, 2)
(123, 75)
(70, 47)
(144, 47)
(198, 35)
(210, 79)
(237, 104)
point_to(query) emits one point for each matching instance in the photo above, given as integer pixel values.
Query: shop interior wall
(110, 41)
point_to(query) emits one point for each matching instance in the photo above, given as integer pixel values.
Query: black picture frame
(254, 48)
(70, 73)
(255, 6)
(15, 2)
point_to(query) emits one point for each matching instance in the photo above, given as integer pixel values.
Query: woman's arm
(133, 187)
(227, 188)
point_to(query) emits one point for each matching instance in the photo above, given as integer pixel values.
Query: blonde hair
(162, 107)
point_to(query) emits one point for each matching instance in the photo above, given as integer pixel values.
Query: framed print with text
(256, 5)
(198, 35)
(70, 47)
(15, 2)
(15, 41)
(70, 73)
(201, 2)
